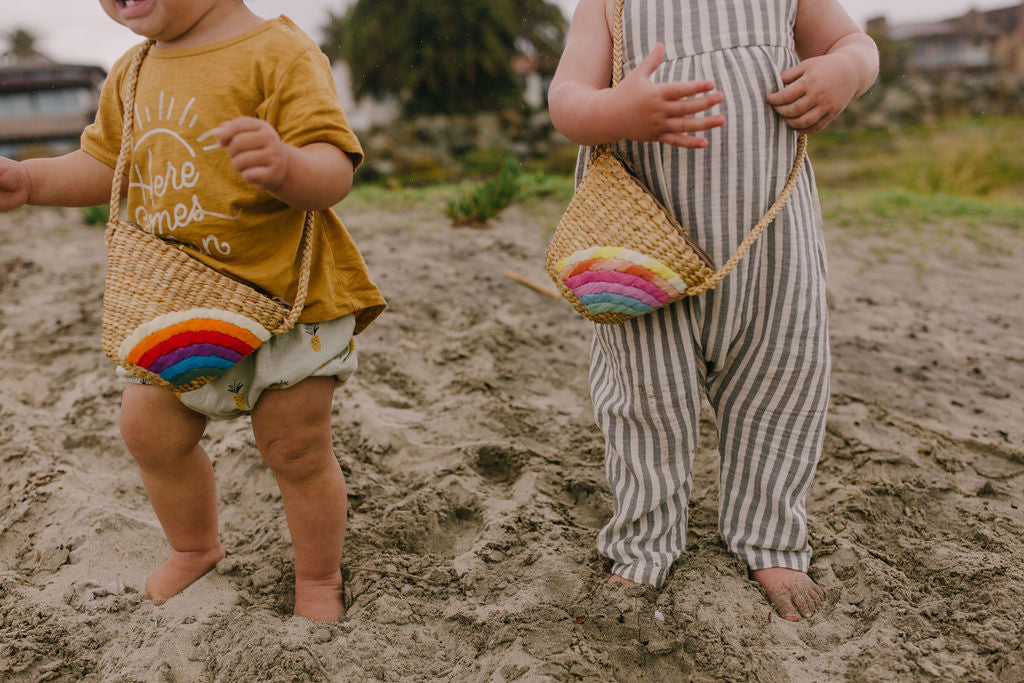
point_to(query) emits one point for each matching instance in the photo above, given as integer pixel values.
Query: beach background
(475, 471)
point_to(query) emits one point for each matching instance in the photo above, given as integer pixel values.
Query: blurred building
(533, 83)
(366, 112)
(979, 41)
(45, 106)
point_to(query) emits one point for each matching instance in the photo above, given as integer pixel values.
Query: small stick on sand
(531, 284)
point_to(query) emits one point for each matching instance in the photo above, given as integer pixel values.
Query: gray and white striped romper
(756, 346)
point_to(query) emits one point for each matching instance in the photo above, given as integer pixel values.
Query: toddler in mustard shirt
(238, 132)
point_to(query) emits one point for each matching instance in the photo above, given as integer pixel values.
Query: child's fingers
(226, 131)
(260, 171)
(808, 120)
(250, 159)
(793, 73)
(794, 109)
(820, 124)
(683, 140)
(693, 105)
(651, 61)
(680, 89)
(260, 176)
(790, 93)
(693, 124)
(248, 140)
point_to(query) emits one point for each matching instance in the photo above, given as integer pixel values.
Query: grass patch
(884, 211)
(972, 157)
(399, 198)
(930, 222)
(485, 201)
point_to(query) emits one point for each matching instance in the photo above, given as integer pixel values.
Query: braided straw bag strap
(773, 211)
(123, 166)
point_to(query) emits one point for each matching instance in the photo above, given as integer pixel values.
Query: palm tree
(444, 57)
(334, 36)
(21, 44)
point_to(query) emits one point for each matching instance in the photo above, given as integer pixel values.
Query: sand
(476, 484)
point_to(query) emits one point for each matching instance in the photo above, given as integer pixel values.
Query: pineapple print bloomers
(308, 350)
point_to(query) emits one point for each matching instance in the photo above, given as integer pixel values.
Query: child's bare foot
(180, 571)
(791, 592)
(319, 600)
(616, 579)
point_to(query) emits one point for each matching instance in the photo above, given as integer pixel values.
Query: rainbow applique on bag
(619, 280)
(184, 346)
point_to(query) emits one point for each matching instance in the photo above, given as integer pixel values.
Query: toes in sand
(319, 600)
(180, 571)
(619, 581)
(792, 593)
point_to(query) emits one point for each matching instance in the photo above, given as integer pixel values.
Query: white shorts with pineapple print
(324, 349)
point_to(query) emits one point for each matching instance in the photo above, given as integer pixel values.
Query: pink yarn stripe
(625, 279)
(624, 267)
(615, 288)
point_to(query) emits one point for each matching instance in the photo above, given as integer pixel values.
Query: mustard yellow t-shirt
(182, 186)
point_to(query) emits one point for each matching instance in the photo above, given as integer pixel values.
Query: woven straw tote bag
(169, 319)
(618, 253)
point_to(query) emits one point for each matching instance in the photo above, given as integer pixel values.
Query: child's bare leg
(791, 592)
(292, 427)
(163, 437)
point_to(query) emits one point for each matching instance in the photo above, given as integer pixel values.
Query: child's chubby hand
(256, 150)
(15, 184)
(816, 91)
(663, 112)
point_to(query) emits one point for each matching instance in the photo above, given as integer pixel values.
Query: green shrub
(486, 201)
(485, 161)
(96, 215)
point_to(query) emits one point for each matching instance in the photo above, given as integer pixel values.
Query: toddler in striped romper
(757, 345)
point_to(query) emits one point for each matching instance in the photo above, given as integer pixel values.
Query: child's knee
(155, 430)
(296, 454)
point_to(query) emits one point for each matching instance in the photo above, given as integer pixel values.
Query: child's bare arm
(839, 63)
(587, 111)
(316, 176)
(75, 179)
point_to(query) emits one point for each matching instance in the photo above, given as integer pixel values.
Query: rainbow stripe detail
(619, 280)
(186, 345)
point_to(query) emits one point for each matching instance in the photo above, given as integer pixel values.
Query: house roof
(39, 75)
(993, 23)
(930, 30)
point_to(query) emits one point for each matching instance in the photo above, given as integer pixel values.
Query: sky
(78, 31)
